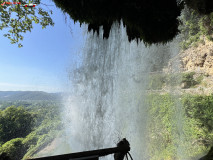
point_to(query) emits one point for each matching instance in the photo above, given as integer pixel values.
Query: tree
(13, 148)
(15, 123)
(17, 19)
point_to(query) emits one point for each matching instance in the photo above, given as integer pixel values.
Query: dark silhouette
(121, 155)
(120, 151)
(148, 20)
(4, 156)
(151, 21)
(201, 6)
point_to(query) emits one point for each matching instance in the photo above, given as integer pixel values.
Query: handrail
(123, 149)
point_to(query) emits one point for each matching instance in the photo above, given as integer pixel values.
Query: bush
(157, 81)
(15, 123)
(14, 148)
(189, 80)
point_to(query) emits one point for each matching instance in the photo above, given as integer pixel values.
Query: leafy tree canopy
(17, 19)
(13, 148)
(15, 123)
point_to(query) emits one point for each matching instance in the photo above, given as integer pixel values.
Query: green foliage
(17, 20)
(158, 81)
(174, 79)
(44, 127)
(42, 136)
(193, 133)
(161, 126)
(194, 27)
(15, 123)
(41, 140)
(200, 108)
(189, 80)
(13, 148)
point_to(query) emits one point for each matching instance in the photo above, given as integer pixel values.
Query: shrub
(15, 123)
(157, 81)
(194, 27)
(14, 148)
(188, 79)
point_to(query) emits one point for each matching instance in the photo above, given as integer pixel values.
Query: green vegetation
(158, 81)
(26, 130)
(189, 80)
(180, 126)
(195, 27)
(16, 20)
(15, 122)
(150, 22)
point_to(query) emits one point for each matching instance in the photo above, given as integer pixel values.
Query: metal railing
(119, 152)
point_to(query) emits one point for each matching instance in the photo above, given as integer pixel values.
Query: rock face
(198, 59)
(150, 21)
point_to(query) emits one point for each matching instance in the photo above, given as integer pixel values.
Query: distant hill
(28, 95)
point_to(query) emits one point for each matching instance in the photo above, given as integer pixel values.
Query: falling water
(108, 100)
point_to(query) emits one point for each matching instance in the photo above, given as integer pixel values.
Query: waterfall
(109, 92)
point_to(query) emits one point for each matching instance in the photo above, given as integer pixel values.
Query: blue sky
(44, 61)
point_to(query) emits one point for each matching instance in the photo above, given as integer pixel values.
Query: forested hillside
(26, 129)
(28, 95)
